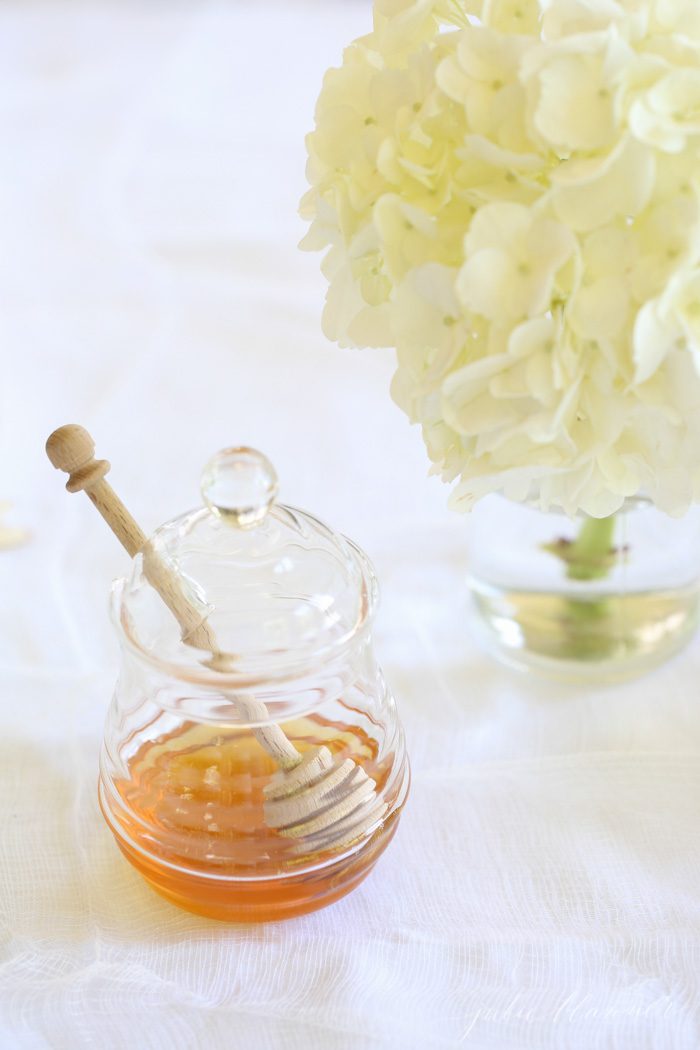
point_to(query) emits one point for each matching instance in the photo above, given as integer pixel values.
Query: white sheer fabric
(543, 889)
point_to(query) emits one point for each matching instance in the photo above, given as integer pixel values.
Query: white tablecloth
(543, 889)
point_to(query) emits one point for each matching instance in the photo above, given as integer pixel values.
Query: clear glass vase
(583, 598)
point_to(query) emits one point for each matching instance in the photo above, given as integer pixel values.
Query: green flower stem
(592, 553)
(590, 556)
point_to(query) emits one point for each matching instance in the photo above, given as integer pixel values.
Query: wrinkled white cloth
(543, 889)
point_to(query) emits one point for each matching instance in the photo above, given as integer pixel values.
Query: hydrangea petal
(654, 337)
(624, 188)
(599, 310)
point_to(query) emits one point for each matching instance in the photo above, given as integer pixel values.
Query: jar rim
(297, 666)
(252, 662)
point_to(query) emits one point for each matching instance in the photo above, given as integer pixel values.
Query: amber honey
(189, 816)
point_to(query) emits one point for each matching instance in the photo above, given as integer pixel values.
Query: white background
(543, 889)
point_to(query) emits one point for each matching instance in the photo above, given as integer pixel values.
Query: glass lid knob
(239, 485)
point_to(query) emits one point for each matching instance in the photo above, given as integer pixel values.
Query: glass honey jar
(253, 765)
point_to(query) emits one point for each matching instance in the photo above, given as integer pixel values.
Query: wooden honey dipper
(311, 798)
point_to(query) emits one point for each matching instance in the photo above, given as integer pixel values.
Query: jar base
(190, 817)
(260, 900)
(612, 638)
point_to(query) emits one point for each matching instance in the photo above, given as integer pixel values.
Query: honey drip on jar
(190, 818)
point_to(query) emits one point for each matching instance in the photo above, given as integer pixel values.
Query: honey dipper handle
(72, 450)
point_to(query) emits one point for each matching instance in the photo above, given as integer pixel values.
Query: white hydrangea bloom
(509, 192)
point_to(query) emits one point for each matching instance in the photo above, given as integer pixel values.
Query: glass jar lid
(277, 587)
